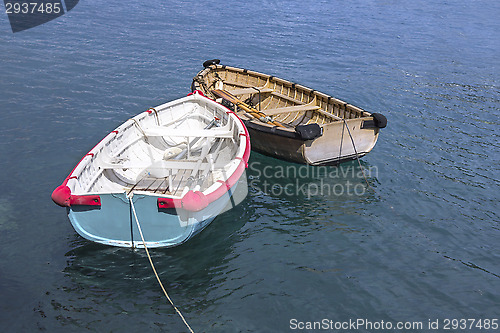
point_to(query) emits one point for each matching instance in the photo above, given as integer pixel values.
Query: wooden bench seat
(288, 109)
(298, 108)
(328, 114)
(252, 90)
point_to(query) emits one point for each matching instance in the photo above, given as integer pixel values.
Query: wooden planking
(327, 114)
(288, 98)
(285, 92)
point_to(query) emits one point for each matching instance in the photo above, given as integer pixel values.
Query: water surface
(423, 246)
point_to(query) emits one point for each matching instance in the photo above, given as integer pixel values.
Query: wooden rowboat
(175, 167)
(290, 121)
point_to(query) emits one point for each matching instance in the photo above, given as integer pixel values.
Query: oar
(252, 111)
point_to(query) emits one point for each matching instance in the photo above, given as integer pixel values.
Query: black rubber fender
(380, 120)
(211, 62)
(309, 132)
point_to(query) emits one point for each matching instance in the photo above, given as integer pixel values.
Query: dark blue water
(424, 246)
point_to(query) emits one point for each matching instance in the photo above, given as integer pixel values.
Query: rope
(153, 266)
(342, 139)
(357, 155)
(362, 170)
(141, 130)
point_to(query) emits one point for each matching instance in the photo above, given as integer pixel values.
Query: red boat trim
(199, 92)
(193, 201)
(63, 197)
(85, 200)
(229, 183)
(241, 158)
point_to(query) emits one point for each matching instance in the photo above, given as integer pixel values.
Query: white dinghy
(175, 166)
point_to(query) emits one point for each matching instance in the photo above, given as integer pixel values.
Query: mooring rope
(357, 155)
(153, 266)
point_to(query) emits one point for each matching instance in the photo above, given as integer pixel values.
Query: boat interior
(285, 102)
(168, 150)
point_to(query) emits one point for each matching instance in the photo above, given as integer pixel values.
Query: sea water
(309, 248)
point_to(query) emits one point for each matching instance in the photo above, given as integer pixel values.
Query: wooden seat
(328, 114)
(252, 90)
(298, 108)
(288, 109)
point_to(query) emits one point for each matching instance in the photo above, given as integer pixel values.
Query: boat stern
(341, 142)
(112, 223)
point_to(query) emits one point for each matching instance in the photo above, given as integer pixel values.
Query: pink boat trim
(63, 197)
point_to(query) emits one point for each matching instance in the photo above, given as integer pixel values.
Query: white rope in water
(357, 155)
(153, 266)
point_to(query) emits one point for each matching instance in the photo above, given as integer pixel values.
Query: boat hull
(344, 131)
